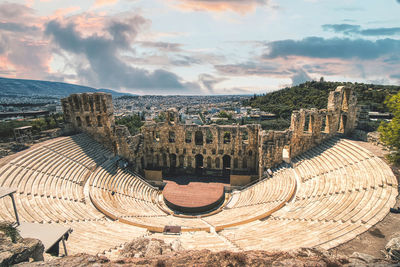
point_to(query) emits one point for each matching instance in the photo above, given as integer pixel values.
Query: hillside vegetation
(315, 94)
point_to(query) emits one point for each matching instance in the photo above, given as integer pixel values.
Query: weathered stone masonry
(210, 149)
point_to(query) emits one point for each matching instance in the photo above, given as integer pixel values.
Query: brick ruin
(173, 147)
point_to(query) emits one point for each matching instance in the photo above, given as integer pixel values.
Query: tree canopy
(390, 131)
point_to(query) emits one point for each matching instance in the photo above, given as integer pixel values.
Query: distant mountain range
(20, 87)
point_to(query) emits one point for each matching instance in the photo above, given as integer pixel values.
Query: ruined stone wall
(91, 113)
(210, 149)
(173, 146)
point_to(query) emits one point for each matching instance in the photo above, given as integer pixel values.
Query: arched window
(217, 163)
(79, 121)
(171, 137)
(198, 138)
(88, 123)
(245, 137)
(99, 123)
(227, 137)
(188, 137)
(209, 136)
(244, 163)
(209, 162)
(235, 163)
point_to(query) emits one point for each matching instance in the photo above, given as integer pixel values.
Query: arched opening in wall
(157, 136)
(91, 104)
(99, 123)
(164, 160)
(286, 154)
(103, 103)
(323, 124)
(209, 136)
(235, 163)
(209, 162)
(171, 137)
(157, 163)
(189, 162)
(244, 163)
(188, 137)
(227, 137)
(78, 121)
(199, 163)
(198, 138)
(171, 116)
(306, 123)
(345, 99)
(149, 161)
(226, 165)
(250, 153)
(85, 103)
(97, 102)
(217, 163)
(172, 161)
(76, 103)
(142, 165)
(181, 161)
(342, 124)
(88, 124)
(245, 137)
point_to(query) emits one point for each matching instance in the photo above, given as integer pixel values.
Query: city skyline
(199, 47)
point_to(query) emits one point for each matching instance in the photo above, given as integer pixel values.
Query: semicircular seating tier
(124, 196)
(334, 192)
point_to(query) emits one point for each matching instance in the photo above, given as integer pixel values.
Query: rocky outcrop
(14, 249)
(146, 247)
(393, 248)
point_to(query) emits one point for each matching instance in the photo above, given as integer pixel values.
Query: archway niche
(198, 138)
(172, 161)
(199, 163)
(226, 164)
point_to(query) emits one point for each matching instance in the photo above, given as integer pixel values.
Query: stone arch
(172, 160)
(198, 138)
(188, 137)
(217, 163)
(99, 123)
(235, 163)
(342, 123)
(244, 163)
(245, 137)
(171, 136)
(164, 160)
(181, 161)
(227, 137)
(209, 136)
(226, 164)
(209, 163)
(79, 121)
(199, 161)
(88, 123)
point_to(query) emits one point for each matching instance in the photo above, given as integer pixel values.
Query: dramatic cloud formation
(239, 6)
(105, 67)
(350, 29)
(317, 47)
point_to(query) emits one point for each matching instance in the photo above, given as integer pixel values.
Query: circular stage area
(194, 197)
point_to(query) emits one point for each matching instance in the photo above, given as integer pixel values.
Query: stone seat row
(330, 208)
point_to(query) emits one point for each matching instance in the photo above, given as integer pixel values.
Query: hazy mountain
(17, 87)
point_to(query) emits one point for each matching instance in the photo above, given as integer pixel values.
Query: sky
(200, 47)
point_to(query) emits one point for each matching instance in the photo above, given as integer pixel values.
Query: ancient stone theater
(234, 187)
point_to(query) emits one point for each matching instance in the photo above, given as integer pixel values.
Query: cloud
(208, 81)
(14, 11)
(17, 27)
(99, 3)
(163, 46)
(300, 77)
(252, 68)
(317, 47)
(104, 66)
(238, 6)
(349, 29)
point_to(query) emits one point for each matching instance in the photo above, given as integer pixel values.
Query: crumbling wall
(91, 113)
(210, 149)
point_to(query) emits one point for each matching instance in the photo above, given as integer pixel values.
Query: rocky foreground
(18, 251)
(154, 252)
